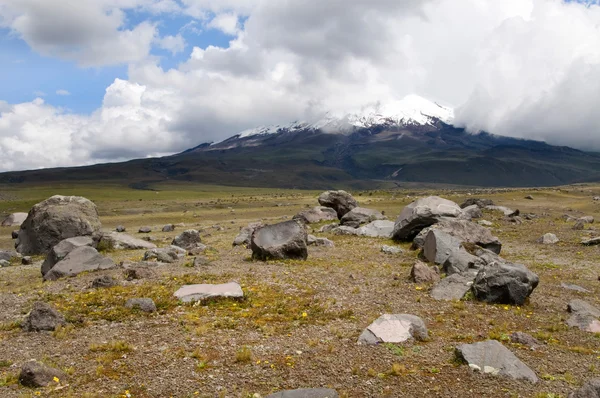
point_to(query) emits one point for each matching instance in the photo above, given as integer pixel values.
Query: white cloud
(63, 92)
(527, 68)
(174, 44)
(39, 93)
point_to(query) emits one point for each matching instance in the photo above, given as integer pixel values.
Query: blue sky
(27, 74)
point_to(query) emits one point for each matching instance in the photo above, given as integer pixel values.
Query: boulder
(584, 316)
(120, 228)
(42, 318)
(504, 210)
(8, 255)
(139, 272)
(316, 214)
(142, 304)
(396, 328)
(391, 249)
(344, 230)
(492, 357)
(243, 238)
(465, 231)
(286, 240)
(590, 389)
(340, 201)
(504, 283)
(306, 393)
(422, 214)
(591, 242)
(56, 219)
(187, 240)
(439, 245)
(35, 374)
(359, 216)
(14, 234)
(587, 219)
(529, 197)
(121, 241)
(596, 198)
(328, 227)
(168, 254)
(104, 281)
(168, 228)
(461, 261)
(453, 287)
(201, 261)
(14, 220)
(471, 212)
(314, 241)
(62, 249)
(481, 203)
(27, 260)
(377, 229)
(189, 293)
(79, 260)
(144, 230)
(548, 239)
(422, 273)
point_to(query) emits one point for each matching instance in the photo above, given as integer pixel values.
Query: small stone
(35, 374)
(104, 281)
(422, 273)
(42, 317)
(485, 223)
(14, 234)
(590, 389)
(548, 239)
(138, 273)
(529, 197)
(26, 260)
(524, 339)
(200, 261)
(120, 228)
(576, 288)
(396, 328)
(145, 230)
(453, 287)
(200, 292)
(143, 304)
(168, 228)
(391, 249)
(4, 263)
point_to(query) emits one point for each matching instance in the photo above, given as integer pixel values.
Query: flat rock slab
(391, 249)
(81, 259)
(121, 241)
(306, 393)
(396, 328)
(576, 288)
(189, 293)
(492, 357)
(591, 242)
(584, 316)
(453, 287)
(377, 229)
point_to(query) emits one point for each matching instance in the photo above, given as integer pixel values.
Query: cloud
(174, 44)
(63, 92)
(524, 68)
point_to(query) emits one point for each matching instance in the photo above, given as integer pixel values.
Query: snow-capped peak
(410, 110)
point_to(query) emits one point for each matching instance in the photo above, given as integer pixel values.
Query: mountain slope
(407, 141)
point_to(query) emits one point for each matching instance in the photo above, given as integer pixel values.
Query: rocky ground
(300, 320)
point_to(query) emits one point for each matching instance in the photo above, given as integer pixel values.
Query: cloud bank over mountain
(522, 68)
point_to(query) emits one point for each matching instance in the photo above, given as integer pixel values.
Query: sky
(88, 81)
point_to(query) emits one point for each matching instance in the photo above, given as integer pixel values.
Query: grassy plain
(299, 323)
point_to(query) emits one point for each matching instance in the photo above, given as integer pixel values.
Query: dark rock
(340, 201)
(104, 281)
(481, 203)
(591, 242)
(165, 254)
(529, 197)
(187, 240)
(138, 273)
(62, 249)
(397, 328)
(35, 374)
(359, 216)
(461, 261)
(422, 214)
(280, 241)
(422, 273)
(317, 214)
(439, 246)
(79, 260)
(55, 219)
(492, 357)
(26, 260)
(120, 228)
(590, 389)
(305, 393)
(42, 317)
(465, 231)
(144, 230)
(168, 228)
(14, 234)
(524, 339)
(579, 225)
(504, 283)
(143, 304)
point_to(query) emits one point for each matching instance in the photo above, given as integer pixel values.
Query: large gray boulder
(42, 318)
(245, 235)
(122, 241)
(590, 389)
(359, 216)
(306, 393)
(56, 219)
(465, 231)
(14, 220)
(453, 287)
(79, 260)
(504, 283)
(340, 201)
(199, 292)
(316, 214)
(492, 357)
(376, 229)
(62, 249)
(187, 240)
(421, 214)
(394, 328)
(439, 246)
(286, 240)
(35, 374)
(584, 316)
